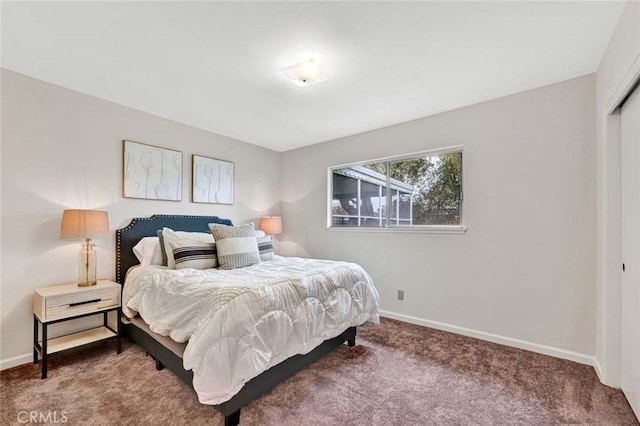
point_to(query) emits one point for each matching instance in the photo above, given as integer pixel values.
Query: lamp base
(87, 265)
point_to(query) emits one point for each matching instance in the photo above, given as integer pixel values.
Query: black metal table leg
(119, 337)
(44, 350)
(35, 340)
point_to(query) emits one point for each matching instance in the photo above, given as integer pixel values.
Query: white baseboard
(16, 361)
(495, 338)
(598, 368)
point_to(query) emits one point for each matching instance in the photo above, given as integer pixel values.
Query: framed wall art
(212, 180)
(151, 172)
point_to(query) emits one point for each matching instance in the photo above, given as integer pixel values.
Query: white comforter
(241, 322)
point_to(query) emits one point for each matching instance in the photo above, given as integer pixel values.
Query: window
(419, 190)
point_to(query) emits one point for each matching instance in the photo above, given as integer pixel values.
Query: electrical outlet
(400, 294)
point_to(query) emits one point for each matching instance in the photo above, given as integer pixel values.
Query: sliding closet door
(631, 250)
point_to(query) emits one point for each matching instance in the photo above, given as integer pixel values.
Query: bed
(171, 354)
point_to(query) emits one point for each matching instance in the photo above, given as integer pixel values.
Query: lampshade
(271, 225)
(81, 224)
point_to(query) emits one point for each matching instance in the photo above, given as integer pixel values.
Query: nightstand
(60, 303)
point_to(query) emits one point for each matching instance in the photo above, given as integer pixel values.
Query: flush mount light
(305, 73)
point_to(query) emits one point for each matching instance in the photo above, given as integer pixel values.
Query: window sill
(413, 230)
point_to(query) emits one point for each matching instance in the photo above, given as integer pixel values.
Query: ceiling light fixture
(305, 73)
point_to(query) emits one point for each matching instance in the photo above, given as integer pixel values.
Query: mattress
(167, 342)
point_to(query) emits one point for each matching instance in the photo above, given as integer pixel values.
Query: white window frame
(436, 229)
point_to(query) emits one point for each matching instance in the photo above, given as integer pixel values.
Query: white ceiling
(216, 65)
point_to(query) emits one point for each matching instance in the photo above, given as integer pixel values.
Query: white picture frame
(212, 180)
(151, 172)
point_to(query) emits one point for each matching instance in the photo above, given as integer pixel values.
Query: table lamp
(271, 225)
(85, 224)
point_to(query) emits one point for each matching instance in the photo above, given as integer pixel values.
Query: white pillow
(148, 251)
(260, 233)
(169, 235)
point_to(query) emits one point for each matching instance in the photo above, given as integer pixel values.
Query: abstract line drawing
(212, 180)
(151, 172)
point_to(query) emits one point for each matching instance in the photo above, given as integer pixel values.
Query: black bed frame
(127, 238)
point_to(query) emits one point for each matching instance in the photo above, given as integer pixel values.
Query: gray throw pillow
(162, 248)
(237, 246)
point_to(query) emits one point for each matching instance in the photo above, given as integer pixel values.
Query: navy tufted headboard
(128, 237)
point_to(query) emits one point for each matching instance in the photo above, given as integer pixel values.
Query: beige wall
(524, 272)
(619, 69)
(63, 149)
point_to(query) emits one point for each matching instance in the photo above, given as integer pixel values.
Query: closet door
(631, 251)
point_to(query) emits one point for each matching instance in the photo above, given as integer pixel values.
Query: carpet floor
(397, 374)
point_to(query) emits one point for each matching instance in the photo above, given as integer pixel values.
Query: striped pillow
(265, 247)
(194, 254)
(169, 235)
(237, 245)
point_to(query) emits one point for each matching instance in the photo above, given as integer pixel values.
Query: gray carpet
(397, 374)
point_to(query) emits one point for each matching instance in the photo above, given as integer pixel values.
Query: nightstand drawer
(73, 304)
(53, 303)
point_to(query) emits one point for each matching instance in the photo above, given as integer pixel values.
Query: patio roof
(371, 176)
